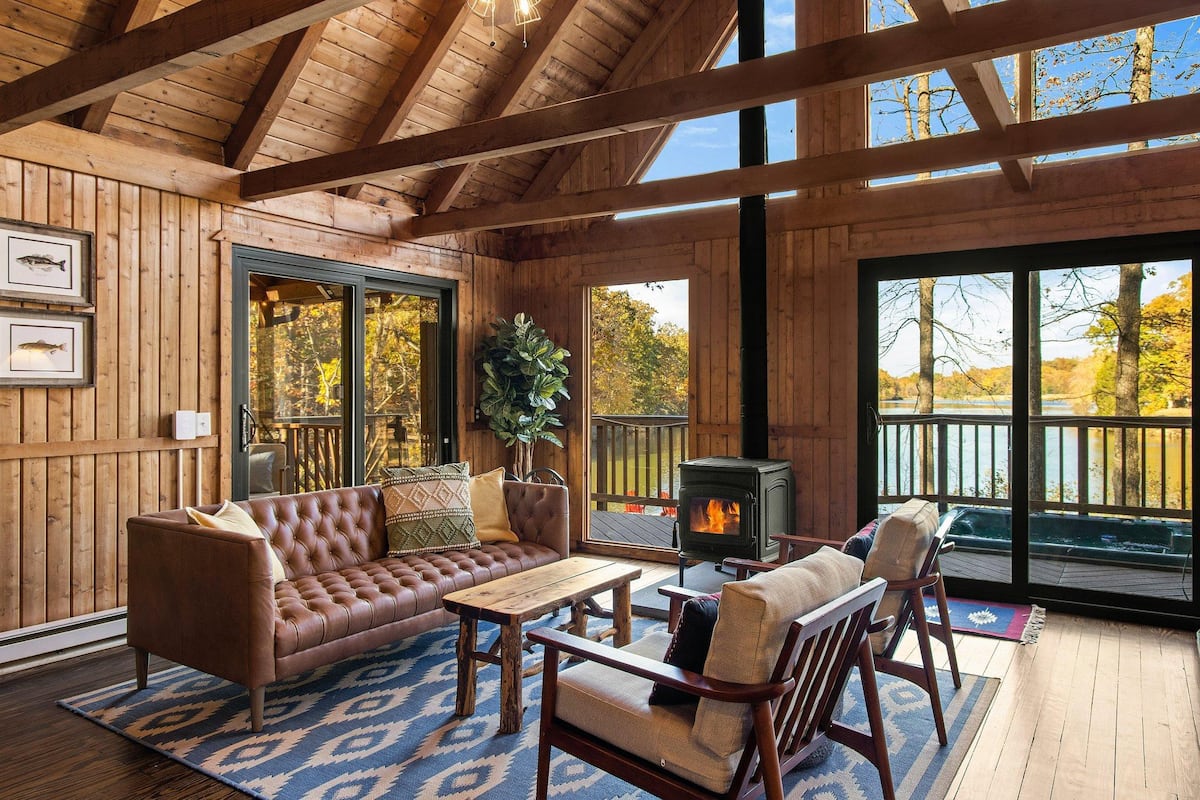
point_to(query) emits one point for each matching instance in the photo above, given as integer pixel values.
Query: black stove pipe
(752, 246)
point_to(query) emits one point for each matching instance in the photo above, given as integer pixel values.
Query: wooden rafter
(1110, 126)
(622, 77)
(449, 182)
(981, 90)
(191, 36)
(417, 71)
(127, 15)
(270, 93)
(984, 32)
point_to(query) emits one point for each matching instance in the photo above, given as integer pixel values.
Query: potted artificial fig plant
(524, 375)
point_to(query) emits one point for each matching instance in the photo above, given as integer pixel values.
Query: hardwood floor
(1094, 710)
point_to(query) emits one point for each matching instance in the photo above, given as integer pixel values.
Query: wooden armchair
(910, 543)
(759, 713)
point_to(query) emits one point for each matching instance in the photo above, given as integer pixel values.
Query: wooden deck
(655, 531)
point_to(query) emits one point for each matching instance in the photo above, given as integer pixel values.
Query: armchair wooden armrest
(881, 625)
(945, 548)
(744, 566)
(633, 664)
(914, 583)
(794, 546)
(678, 595)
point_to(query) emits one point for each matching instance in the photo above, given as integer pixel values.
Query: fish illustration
(42, 262)
(42, 346)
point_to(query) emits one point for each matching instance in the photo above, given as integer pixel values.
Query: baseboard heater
(53, 641)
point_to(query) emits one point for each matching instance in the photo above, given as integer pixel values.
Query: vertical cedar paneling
(11, 180)
(149, 348)
(33, 429)
(189, 327)
(83, 428)
(209, 362)
(168, 328)
(58, 429)
(108, 390)
(128, 367)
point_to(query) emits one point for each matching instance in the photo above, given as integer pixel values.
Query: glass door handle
(248, 427)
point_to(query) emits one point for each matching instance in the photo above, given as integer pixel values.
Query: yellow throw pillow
(489, 507)
(230, 517)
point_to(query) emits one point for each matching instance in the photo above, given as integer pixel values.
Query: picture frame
(47, 264)
(46, 348)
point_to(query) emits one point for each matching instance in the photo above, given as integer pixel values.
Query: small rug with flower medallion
(1013, 623)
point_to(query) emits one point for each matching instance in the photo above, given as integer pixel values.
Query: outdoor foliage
(1165, 361)
(637, 368)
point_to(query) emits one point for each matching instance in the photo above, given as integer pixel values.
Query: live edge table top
(533, 593)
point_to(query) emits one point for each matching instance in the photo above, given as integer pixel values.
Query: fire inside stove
(715, 515)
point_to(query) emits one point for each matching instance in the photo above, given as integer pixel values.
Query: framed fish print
(45, 348)
(46, 264)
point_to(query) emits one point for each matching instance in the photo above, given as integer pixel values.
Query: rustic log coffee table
(525, 596)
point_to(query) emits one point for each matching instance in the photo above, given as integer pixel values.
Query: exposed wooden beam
(980, 33)
(450, 181)
(270, 93)
(622, 77)
(1110, 126)
(413, 77)
(981, 90)
(193, 35)
(127, 15)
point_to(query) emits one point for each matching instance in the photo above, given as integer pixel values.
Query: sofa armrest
(202, 597)
(538, 512)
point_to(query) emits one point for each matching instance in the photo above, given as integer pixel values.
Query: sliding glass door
(339, 371)
(1042, 397)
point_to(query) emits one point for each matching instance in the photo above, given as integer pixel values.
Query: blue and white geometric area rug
(382, 725)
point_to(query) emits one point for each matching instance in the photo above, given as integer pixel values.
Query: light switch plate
(203, 423)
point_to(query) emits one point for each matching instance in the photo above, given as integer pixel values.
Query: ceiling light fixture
(504, 12)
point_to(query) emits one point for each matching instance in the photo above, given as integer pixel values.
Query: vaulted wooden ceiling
(390, 101)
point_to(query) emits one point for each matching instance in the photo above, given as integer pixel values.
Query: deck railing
(963, 459)
(314, 447)
(635, 461)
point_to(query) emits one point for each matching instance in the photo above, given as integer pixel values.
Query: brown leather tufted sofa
(205, 597)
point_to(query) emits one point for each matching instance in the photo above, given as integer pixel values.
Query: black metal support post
(752, 247)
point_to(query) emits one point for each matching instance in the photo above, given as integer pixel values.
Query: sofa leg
(141, 666)
(258, 697)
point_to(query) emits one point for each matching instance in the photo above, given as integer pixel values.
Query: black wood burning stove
(729, 507)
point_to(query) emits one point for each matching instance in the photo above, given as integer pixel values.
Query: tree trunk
(925, 381)
(1126, 477)
(1037, 432)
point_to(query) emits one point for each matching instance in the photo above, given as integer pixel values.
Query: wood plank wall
(75, 463)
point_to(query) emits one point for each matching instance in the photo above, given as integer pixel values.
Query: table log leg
(464, 650)
(622, 615)
(579, 619)
(510, 677)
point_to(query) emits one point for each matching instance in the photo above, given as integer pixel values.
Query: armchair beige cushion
(754, 618)
(901, 543)
(615, 707)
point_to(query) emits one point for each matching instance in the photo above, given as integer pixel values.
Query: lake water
(978, 455)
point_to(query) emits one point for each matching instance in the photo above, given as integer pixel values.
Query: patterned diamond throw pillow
(428, 509)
